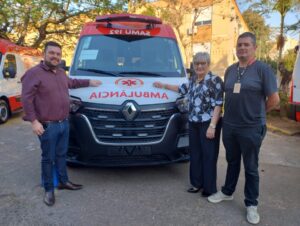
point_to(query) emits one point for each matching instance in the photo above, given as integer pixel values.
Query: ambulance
(294, 101)
(126, 121)
(14, 61)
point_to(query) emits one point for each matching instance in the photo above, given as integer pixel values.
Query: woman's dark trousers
(204, 156)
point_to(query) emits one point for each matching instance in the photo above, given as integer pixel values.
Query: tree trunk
(281, 37)
(42, 36)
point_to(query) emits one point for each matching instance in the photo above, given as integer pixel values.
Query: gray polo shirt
(248, 108)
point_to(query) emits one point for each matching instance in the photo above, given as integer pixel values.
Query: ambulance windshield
(127, 55)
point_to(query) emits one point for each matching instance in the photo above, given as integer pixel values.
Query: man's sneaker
(252, 215)
(219, 197)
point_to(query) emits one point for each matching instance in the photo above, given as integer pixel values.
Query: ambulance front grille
(111, 126)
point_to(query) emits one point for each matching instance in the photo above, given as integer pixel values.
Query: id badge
(237, 87)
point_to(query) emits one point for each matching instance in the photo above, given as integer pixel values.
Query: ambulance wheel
(4, 111)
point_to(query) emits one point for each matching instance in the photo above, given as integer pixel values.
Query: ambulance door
(296, 80)
(10, 81)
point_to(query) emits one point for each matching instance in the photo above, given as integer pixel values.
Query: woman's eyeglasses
(202, 63)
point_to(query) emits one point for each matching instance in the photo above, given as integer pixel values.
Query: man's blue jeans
(243, 142)
(54, 145)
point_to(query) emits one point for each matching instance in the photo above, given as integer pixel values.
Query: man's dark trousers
(203, 156)
(243, 142)
(54, 145)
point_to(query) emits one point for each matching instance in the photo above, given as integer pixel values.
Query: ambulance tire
(4, 111)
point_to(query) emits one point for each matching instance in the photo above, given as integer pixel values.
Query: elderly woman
(205, 95)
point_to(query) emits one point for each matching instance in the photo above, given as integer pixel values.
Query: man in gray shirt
(250, 91)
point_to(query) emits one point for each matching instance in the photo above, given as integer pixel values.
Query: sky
(273, 20)
(290, 18)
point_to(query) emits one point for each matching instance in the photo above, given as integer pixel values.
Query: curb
(284, 131)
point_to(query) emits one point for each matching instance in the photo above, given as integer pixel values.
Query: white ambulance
(294, 102)
(126, 121)
(14, 61)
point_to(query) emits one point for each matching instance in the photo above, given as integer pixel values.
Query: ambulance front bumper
(93, 144)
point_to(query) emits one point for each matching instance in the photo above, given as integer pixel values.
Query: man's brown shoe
(69, 186)
(49, 198)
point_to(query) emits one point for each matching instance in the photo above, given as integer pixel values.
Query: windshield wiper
(142, 73)
(100, 71)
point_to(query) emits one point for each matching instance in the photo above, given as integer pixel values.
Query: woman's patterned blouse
(203, 96)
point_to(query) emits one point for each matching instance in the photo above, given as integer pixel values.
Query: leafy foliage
(289, 59)
(257, 25)
(282, 7)
(30, 22)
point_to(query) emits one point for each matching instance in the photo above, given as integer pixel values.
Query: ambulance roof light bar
(128, 18)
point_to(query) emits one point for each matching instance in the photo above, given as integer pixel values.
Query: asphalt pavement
(141, 195)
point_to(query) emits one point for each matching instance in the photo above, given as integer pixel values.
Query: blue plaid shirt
(203, 96)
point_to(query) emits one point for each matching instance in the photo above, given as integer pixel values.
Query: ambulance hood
(116, 90)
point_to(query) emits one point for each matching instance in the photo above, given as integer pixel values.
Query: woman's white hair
(200, 56)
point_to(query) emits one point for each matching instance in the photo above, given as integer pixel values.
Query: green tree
(286, 70)
(289, 59)
(132, 5)
(282, 7)
(257, 25)
(30, 22)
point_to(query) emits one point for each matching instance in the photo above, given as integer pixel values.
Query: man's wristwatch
(211, 125)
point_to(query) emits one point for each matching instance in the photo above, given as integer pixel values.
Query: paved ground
(141, 195)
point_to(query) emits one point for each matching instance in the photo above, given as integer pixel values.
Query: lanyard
(240, 72)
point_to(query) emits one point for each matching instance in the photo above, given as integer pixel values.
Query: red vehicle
(14, 61)
(126, 121)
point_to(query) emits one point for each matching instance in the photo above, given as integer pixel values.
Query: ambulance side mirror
(63, 65)
(190, 70)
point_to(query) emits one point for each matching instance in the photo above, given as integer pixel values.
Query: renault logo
(129, 111)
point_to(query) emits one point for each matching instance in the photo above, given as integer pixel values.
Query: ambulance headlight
(182, 104)
(75, 104)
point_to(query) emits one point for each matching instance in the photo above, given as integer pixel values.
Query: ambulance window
(10, 66)
(121, 54)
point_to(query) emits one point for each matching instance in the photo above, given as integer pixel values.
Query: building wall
(226, 26)
(216, 31)
(204, 34)
(219, 37)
